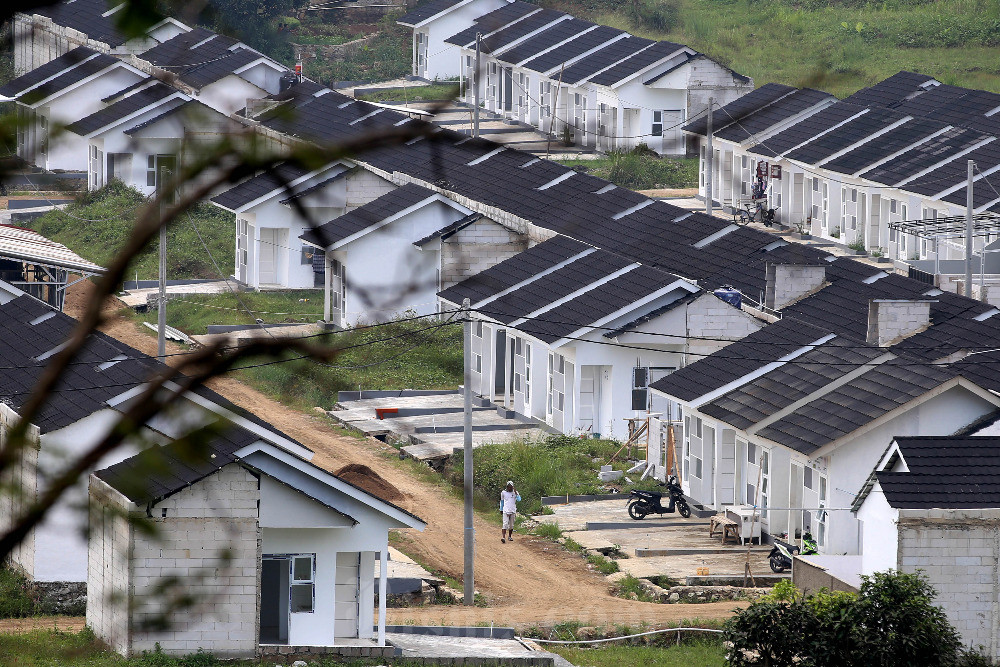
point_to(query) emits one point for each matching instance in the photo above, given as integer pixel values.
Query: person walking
(508, 505)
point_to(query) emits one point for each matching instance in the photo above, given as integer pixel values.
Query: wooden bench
(725, 526)
(382, 412)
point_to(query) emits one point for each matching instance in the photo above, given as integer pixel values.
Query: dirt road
(529, 582)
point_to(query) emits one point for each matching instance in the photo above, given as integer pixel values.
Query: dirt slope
(529, 582)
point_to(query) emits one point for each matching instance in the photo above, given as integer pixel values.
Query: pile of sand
(369, 480)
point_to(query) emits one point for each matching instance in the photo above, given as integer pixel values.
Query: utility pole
(709, 157)
(161, 313)
(475, 89)
(470, 586)
(968, 232)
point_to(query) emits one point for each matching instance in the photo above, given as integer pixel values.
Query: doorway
(274, 601)
(590, 398)
(346, 595)
(267, 271)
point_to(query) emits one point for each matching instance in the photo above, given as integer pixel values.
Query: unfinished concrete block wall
(712, 323)
(477, 248)
(38, 41)
(22, 480)
(890, 320)
(364, 187)
(958, 552)
(209, 541)
(108, 565)
(787, 283)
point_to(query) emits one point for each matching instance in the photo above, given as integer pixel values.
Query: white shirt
(509, 501)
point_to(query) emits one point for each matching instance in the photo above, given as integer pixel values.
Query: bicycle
(754, 210)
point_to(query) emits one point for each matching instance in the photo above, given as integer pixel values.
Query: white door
(346, 595)
(590, 398)
(267, 267)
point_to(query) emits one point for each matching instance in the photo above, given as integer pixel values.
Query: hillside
(834, 45)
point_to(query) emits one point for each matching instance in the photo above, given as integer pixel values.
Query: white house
(72, 422)
(219, 71)
(272, 550)
(856, 170)
(432, 23)
(396, 252)
(573, 336)
(931, 505)
(599, 86)
(792, 417)
(59, 93)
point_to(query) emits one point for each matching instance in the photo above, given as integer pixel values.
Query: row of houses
(596, 86)
(848, 169)
(785, 371)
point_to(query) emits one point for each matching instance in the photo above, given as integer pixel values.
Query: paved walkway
(433, 424)
(429, 646)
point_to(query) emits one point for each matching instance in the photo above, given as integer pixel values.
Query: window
(479, 363)
(697, 427)
(640, 390)
(657, 130)
(697, 467)
(477, 329)
(303, 587)
(807, 478)
(150, 171)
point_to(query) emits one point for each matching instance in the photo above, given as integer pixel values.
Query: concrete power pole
(469, 541)
(968, 232)
(709, 157)
(475, 89)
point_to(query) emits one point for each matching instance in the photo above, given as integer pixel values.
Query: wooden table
(725, 526)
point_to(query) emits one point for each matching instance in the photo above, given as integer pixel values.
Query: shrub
(16, 599)
(660, 15)
(891, 622)
(551, 531)
(602, 564)
(628, 586)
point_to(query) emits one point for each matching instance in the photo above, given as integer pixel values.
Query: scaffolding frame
(983, 224)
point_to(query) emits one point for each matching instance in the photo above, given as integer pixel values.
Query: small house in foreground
(252, 548)
(932, 505)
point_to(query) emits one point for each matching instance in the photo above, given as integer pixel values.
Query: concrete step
(641, 525)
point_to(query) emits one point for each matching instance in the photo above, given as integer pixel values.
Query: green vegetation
(397, 355)
(554, 466)
(433, 93)
(51, 648)
(640, 169)
(98, 224)
(16, 600)
(386, 56)
(630, 587)
(835, 45)
(694, 654)
(194, 313)
(550, 531)
(892, 621)
(602, 564)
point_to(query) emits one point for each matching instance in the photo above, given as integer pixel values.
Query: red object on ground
(382, 412)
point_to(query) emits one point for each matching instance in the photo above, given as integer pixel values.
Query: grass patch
(386, 56)
(550, 531)
(602, 564)
(834, 46)
(51, 648)
(194, 313)
(629, 587)
(398, 355)
(97, 225)
(640, 169)
(432, 93)
(695, 654)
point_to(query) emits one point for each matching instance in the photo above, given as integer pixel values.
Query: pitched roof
(426, 10)
(151, 97)
(68, 78)
(277, 178)
(367, 216)
(200, 57)
(492, 21)
(635, 64)
(91, 17)
(69, 60)
(740, 107)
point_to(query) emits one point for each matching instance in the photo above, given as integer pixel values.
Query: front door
(590, 398)
(346, 595)
(274, 601)
(268, 263)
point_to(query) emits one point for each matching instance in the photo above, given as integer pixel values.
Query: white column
(508, 375)
(383, 587)
(327, 284)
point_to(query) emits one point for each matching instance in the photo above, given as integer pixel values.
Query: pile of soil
(369, 480)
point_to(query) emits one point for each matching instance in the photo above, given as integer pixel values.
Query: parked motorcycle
(780, 558)
(643, 503)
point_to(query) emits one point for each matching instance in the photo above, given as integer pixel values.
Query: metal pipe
(968, 231)
(470, 586)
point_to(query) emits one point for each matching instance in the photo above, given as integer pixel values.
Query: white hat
(510, 483)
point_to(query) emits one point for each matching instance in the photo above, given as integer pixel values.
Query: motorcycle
(782, 554)
(643, 503)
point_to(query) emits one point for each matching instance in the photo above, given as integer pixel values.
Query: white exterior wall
(229, 94)
(22, 477)
(879, 535)
(109, 565)
(68, 150)
(203, 523)
(443, 59)
(384, 264)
